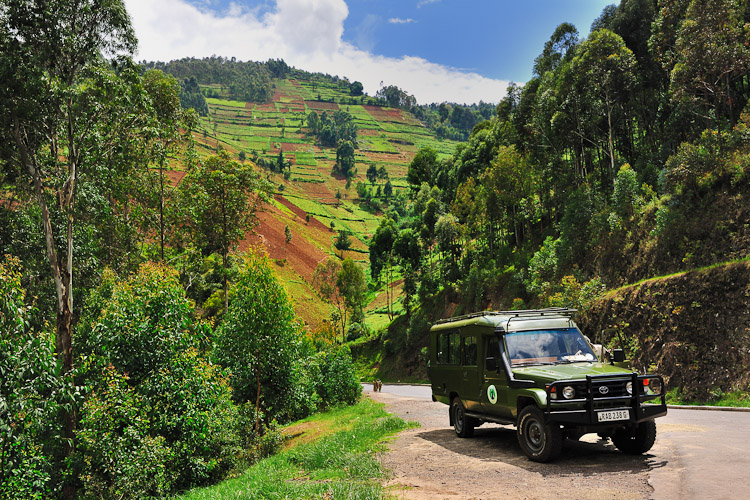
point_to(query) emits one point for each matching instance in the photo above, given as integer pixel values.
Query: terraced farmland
(386, 136)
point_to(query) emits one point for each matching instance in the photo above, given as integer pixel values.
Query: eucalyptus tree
(712, 55)
(606, 69)
(70, 121)
(221, 197)
(73, 124)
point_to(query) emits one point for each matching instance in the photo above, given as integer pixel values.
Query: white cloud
(422, 3)
(306, 34)
(398, 20)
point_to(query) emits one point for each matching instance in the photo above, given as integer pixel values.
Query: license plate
(609, 416)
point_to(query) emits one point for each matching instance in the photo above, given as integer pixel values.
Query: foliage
(333, 130)
(192, 97)
(31, 397)
(395, 97)
(260, 341)
(543, 267)
(341, 464)
(159, 416)
(247, 81)
(220, 197)
(338, 383)
(352, 285)
(345, 159)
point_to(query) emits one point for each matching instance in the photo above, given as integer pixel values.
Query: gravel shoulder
(431, 462)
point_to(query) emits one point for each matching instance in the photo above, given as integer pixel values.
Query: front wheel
(539, 441)
(636, 441)
(462, 423)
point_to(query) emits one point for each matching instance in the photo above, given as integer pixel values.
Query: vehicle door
(494, 398)
(470, 371)
(446, 376)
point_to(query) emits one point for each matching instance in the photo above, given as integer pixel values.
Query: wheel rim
(534, 435)
(458, 418)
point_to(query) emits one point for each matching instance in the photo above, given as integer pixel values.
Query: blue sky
(497, 39)
(455, 50)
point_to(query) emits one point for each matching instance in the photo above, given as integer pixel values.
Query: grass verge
(330, 455)
(734, 398)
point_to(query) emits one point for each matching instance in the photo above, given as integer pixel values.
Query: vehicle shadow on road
(499, 444)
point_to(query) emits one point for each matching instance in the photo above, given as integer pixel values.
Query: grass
(341, 463)
(614, 291)
(734, 398)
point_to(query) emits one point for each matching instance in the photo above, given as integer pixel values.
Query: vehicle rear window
(448, 348)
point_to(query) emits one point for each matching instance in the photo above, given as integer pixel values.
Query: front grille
(615, 388)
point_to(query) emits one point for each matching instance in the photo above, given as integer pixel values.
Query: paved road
(698, 454)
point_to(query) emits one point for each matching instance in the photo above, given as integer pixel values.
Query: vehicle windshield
(563, 345)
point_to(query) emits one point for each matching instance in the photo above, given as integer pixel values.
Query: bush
(354, 332)
(31, 397)
(338, 383)
(159, 416)
(543, 267)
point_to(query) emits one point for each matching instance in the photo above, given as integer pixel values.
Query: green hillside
(386, 137)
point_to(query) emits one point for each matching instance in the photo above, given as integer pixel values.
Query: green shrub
(156, 403)
(260, 341)
(31, 397)
(122, 459)
(543, 267)
(338, 383)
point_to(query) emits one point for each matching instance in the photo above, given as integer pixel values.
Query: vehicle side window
(455, 348)
(470, 351)
(492, 350)
(448, 348)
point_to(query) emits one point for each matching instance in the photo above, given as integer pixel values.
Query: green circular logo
(492, 394)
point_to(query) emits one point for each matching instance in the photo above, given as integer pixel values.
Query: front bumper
(589, 401)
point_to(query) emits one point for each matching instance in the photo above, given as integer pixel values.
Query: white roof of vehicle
(512, 321)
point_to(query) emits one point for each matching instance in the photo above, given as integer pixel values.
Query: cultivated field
(386, 137)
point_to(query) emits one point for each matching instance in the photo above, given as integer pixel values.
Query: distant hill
(307, 186)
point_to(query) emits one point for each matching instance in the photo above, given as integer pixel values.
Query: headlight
(629, 388)
(654, 385)
(569, 392)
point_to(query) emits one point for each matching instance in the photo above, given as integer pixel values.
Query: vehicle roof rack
(550, 311)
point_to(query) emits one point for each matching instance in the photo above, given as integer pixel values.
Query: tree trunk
(161, 209)
(226, 283)
(611, 144)
(257, 396)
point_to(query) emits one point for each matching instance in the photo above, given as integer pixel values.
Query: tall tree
(342, 242)
(50, 55)
(352, 286)
(381, 256)
(68, 118)
(712, 54)
(221, 197)
(163, 91)
(606, 67)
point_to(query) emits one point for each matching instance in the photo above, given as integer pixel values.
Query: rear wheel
(635, 441)
(539, 441)
(462, 423)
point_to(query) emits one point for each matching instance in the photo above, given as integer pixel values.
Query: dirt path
(430, 462)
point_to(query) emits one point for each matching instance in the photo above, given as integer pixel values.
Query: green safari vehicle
(535, 370)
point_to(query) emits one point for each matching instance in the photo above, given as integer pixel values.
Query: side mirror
(491, 364)
(618, 355)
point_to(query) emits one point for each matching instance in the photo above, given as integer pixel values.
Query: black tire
(636, 441)
(462, 424)
(539, 441)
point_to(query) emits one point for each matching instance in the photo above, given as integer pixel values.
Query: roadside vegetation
(329, 455)
(623, 158)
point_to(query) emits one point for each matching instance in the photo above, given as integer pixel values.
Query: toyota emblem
(603, 389)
